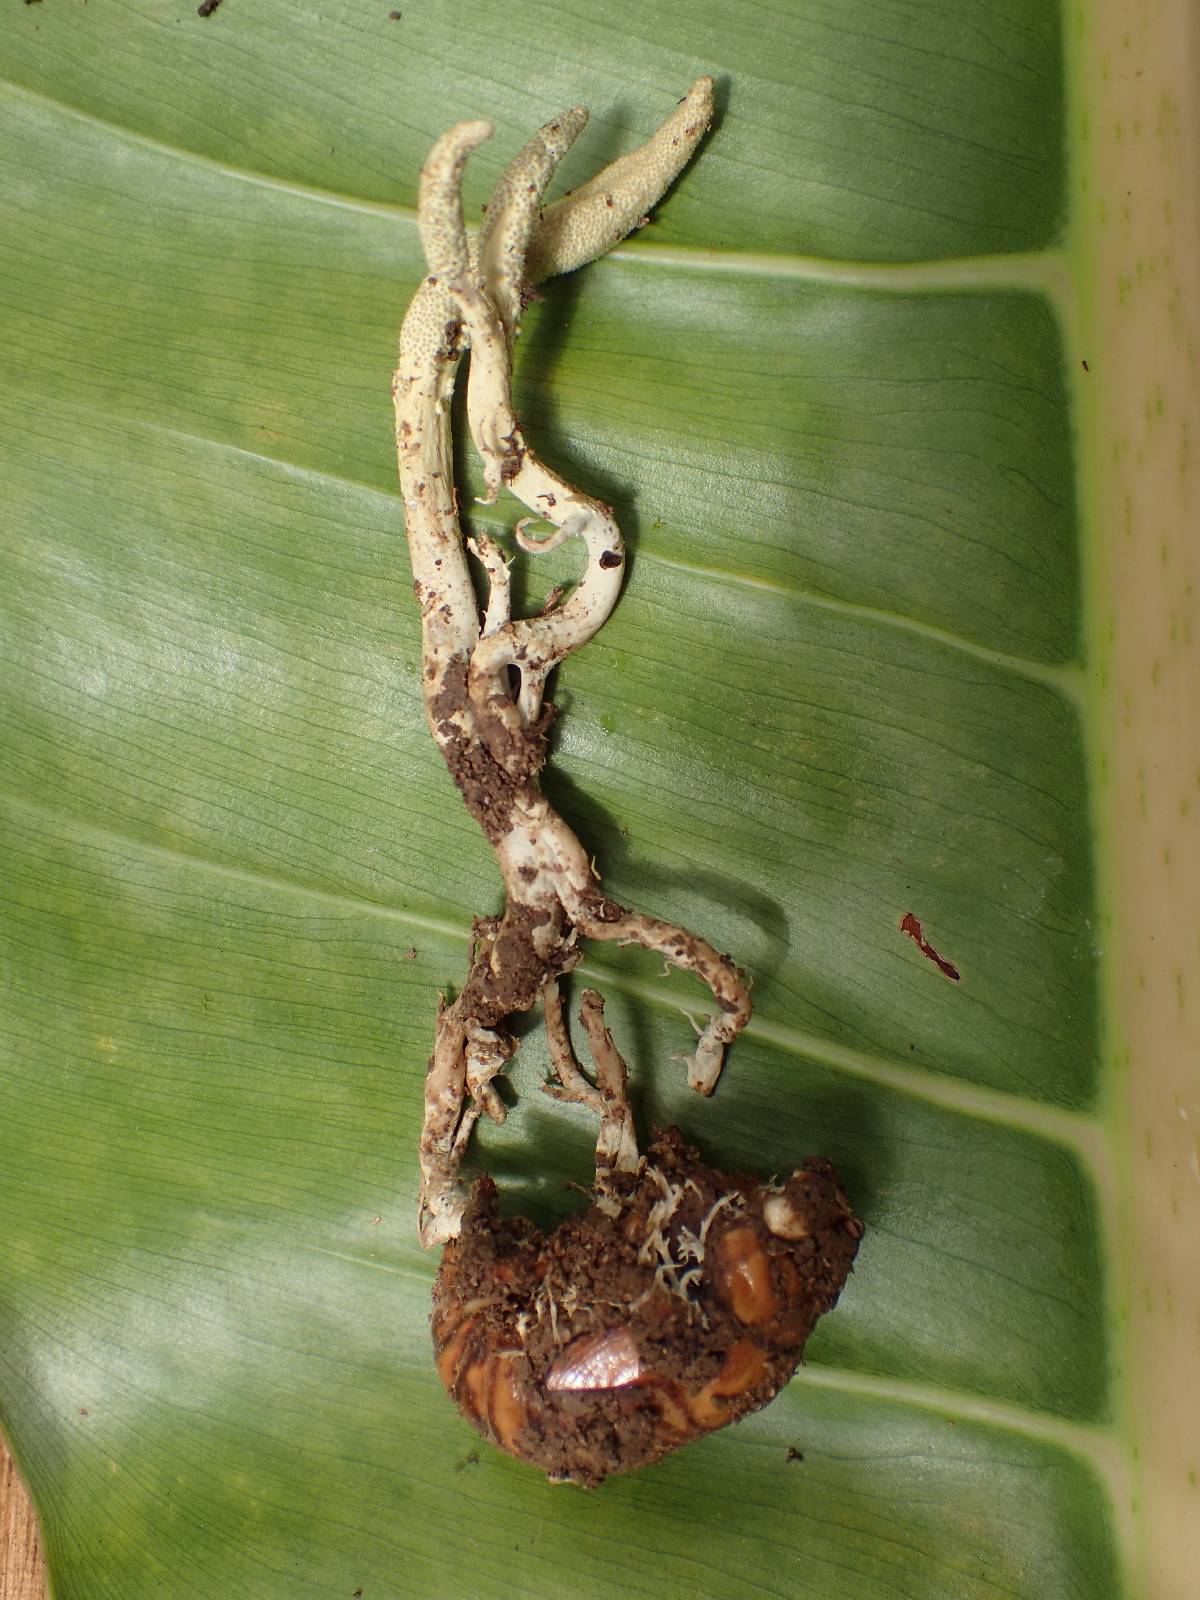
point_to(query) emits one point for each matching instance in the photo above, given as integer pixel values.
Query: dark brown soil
(610, 1342)
(494, 764)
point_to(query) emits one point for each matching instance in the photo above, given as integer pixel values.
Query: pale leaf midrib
(1065, 679)
(1075, 1131)
(1044, 272)
(1096, 1445)
(1062, 678)
(1092, 1441)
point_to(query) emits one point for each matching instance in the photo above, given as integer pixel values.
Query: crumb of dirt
(611, 1341)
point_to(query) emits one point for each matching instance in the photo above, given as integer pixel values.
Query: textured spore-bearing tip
(636, 1327)
(586, 223)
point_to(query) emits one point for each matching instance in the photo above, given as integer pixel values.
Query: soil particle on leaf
(611, 1341)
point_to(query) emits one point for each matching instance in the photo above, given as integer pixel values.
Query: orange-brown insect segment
(507, 1412)
(743, 1368)
(613, 1340)
(743, 1276)
(485, 1381)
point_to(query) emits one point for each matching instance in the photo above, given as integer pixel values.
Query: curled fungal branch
(494, 741)
(484, 679)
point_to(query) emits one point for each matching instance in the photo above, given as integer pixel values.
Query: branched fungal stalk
(493, 736)
(682, 1297)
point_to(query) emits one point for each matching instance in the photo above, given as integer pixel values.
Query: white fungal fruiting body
(491, 732)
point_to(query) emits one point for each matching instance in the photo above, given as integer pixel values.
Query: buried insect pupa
(681, 1299)
(667, 1309)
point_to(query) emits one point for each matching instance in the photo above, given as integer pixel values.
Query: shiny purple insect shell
(605, 1360)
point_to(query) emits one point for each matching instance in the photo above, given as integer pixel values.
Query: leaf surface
(843, 685)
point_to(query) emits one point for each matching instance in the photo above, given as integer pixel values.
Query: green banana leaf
(866, 395)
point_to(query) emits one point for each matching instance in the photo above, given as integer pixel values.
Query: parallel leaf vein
(1073, 1129)
(1039, 271)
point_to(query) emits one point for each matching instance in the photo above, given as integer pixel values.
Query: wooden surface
(22, 1576)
